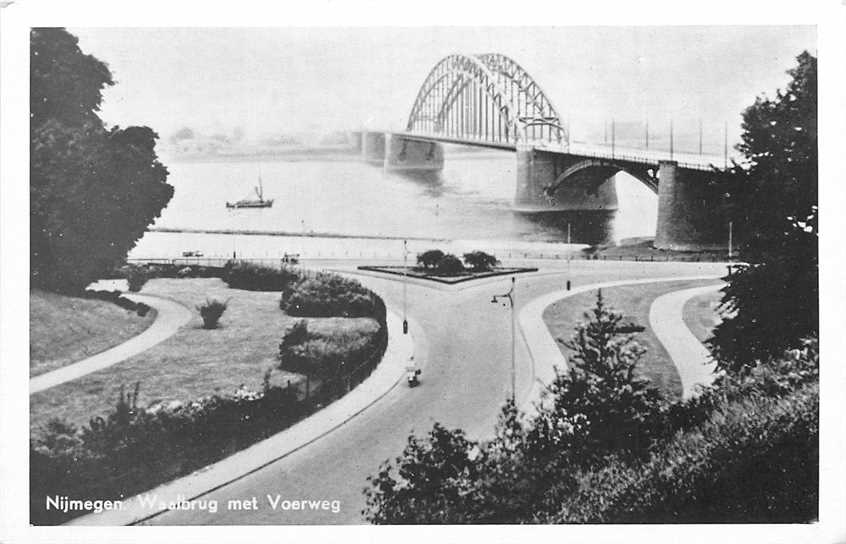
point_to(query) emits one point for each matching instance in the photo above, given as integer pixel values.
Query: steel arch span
(485, 98)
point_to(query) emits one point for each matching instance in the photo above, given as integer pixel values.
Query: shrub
(210, 311)
(142, 309)
(449, 265)
(136, 277)
(328, 295)
(295, 335)
(480, 261)
(253, 277)
(430, 258)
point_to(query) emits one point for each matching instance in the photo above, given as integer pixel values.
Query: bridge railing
(646, 157)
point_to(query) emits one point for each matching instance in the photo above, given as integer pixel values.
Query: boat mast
(260, 189)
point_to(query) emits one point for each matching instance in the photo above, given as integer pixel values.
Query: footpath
(170, 316)
(546, 356)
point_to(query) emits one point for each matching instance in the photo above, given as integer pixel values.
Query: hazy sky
(293, 79)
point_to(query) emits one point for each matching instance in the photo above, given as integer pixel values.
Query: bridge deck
(690, 161)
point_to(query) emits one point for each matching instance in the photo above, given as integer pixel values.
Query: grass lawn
(700, 314)
(194, 362)
(633, 302)
(65, 330)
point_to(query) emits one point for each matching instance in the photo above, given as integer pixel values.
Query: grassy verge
(64, 330)
(633, 302)
(194, 362)
(700, 314)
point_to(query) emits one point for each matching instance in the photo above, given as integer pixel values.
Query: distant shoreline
(340, 154)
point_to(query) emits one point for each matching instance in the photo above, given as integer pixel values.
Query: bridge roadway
(690, 161)
(463, 344)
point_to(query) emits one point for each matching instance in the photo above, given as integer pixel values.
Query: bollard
(568, 285)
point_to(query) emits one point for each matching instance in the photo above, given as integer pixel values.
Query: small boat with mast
(261, 202)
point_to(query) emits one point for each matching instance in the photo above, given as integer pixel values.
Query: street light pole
(730, 240)
(511, 295)
(569, 255)
(405, 286)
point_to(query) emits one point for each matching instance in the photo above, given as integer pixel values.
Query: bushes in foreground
(133, 449)
(603, 449)
(754, 460)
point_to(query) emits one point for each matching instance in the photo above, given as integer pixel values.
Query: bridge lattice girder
(486, 98)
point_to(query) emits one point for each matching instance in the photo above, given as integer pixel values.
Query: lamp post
(510, 295)
(569, 255)
(405, 286)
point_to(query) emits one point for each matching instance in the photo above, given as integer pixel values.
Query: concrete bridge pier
(588, 190)
(355, 139)
(402, 154)
(687, 219)
(373, 147)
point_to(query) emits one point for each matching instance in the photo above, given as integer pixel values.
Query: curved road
(463, 344)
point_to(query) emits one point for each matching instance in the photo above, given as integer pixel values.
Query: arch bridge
(489, 100)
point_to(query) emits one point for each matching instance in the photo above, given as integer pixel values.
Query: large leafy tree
(772, 304)
(93, 190)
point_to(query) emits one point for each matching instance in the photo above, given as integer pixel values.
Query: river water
(339, 206)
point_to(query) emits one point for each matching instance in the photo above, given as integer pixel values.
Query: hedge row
(115, 297)
(253, 277)
(334, 356)
(133, 449)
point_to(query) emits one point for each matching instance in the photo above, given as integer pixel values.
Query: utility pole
(700, 137)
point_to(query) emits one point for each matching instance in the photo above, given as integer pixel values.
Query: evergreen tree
(773, 303)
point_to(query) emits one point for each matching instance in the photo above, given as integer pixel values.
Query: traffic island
(449, 279)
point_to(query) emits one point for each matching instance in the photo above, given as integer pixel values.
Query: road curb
(388, 373)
